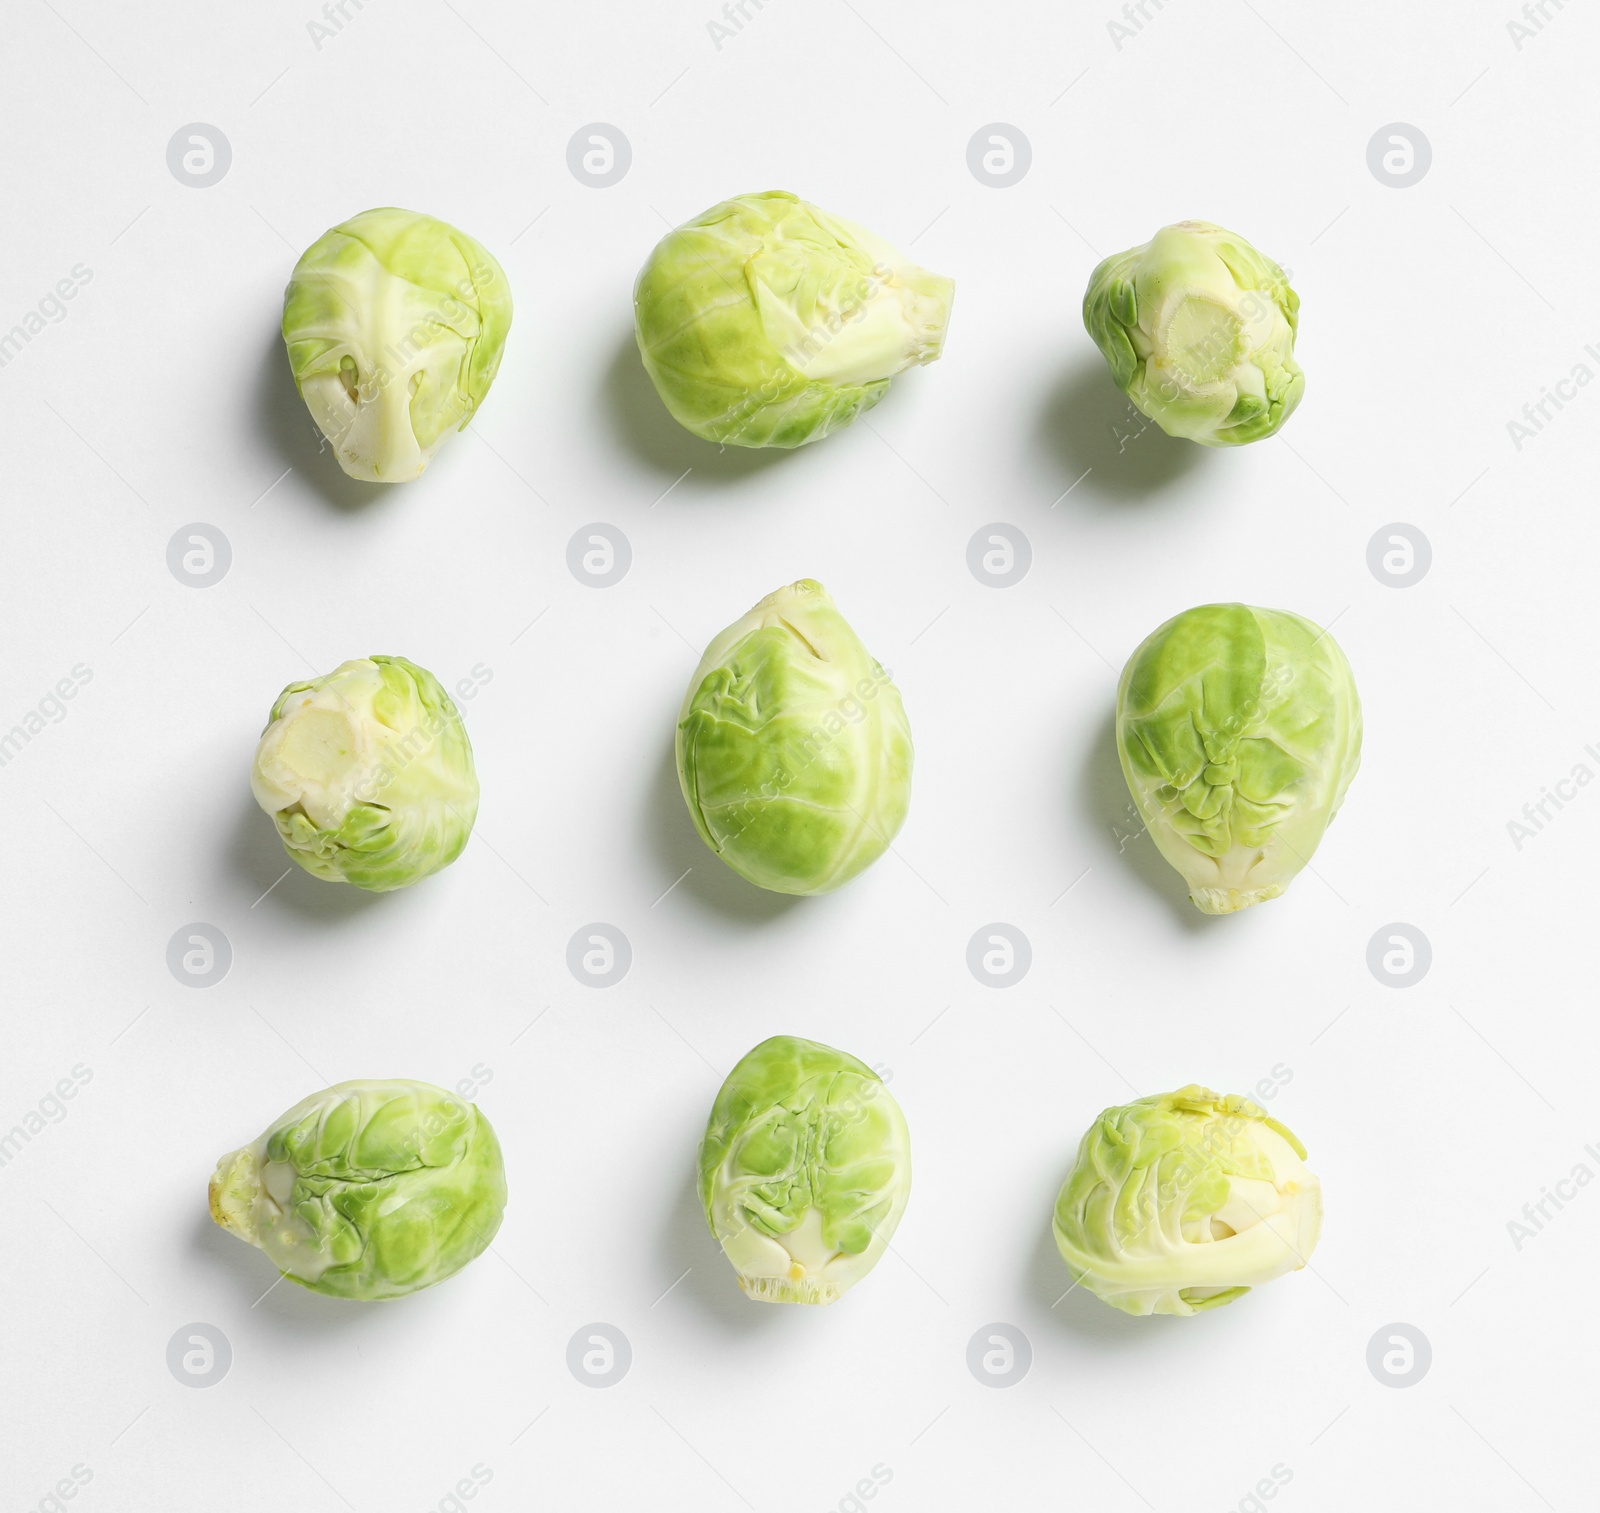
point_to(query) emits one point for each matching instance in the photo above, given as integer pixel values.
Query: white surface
(1431, 315)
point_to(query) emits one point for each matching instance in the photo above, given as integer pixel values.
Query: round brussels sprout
(805, 1170)
(794, 755)
(367, 1190)
(368, 774)
(1199, 330)
(395, 323)
(767, 322)
(1184, 1202)
(1239, 731)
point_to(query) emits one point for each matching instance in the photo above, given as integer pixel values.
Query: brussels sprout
(1184, 1202)
(368, 774)
(367, 1190)
(395, 323)
(1199, 330)
(794, 755)
(1239, 731)
(805, 1170)
(767, 322)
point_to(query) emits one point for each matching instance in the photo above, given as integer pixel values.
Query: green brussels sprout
(767, 322)
(395, 323)
(1239, 731)
(367, 773)
(1184, 1202)
(367, 1190)
(1199, 330)
(794, 755)
(805, 1170)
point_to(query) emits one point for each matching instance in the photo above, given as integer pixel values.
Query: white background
(1431, 315)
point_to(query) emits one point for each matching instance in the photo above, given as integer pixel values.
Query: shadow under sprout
(677, 846)
(1103, 794)
(294, 436)
(1076, 1309)
(254, 854)
(687, 1245)
(1104, 446)
(290, 1308)
(647, 431)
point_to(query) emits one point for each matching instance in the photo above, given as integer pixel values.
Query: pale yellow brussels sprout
(1239, 730)
(1185, 1201)
(368, 774)
(367, 1190)
(794, 754)
(805, 1170)
(767, 322)
(395, 323)
(1199, 329)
